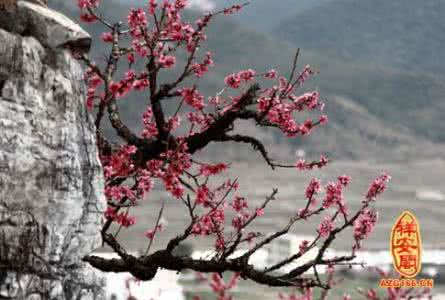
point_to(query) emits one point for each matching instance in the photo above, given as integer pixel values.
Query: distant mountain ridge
(265, 15)
(407, 34)
(373, 110)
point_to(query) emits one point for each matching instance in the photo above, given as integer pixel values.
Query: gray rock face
(51, 185)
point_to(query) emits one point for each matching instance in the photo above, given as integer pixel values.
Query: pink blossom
(203, 196)
(306, 127)
(239, 204)
(125, 220)
(94, 81)
(233, 9)
(301, 164)
(110, 213)
(150, 234)
(87, 17)
(120, 162)
(303, 246)
(140, 48)
(130, 57)
(365, 224)
(107, 37)
(193, 98)
(259, 212)
(145, 181)
(202, 68)
(313, 188)
(210, 223)
(137, 19)
(150, 129)
(167, 61)
(208, 170)
(323, 162)
(323, 120)
(90, 98)
(334, 194)
(305, 74)
(87, 3)
(272, 74)
(240, 220)
(120, 89)
(246, 75)
(307, 100)
(173, 123)
(326, 226)
(377, 187)
(344, 180)
(141, 84)
(152, 7)
(233, 81)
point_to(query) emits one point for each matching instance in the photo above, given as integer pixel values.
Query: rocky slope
(51, 184)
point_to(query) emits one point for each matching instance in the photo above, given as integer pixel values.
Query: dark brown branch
(219, 127)
(145, 268)
(256, 145)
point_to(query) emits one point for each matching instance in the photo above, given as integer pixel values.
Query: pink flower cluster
(93, 82)
(149, 130)
(377, 187)
(87, 3)
(210, 223)
(307, 100)
(204, 196)
(150, 234)
(131, 80)
(123, 218)
(313, 188)
(364, 225)
(334, 196)
(137, 21)
(326, 226)
(166, 61)
(193, 98)
(234, 80)
(215, 169)
(218, 286)
(303, 247)
(201, 69)
(302, 165)
(179, 160)
(119, 164)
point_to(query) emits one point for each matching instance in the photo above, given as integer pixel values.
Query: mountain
(406, 34)
(265, 15)
(375, 112)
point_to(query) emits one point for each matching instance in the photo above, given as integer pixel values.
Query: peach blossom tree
(164, 153)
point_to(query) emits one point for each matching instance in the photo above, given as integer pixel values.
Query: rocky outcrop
(51, 186)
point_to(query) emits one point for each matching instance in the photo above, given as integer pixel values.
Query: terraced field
(257, 181)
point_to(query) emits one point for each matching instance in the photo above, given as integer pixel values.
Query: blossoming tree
(163, 153)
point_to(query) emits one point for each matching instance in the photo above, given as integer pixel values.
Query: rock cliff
(51, 185)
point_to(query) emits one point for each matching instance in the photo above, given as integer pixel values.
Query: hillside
(371, 108)
(265, 15)
(406, 34)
